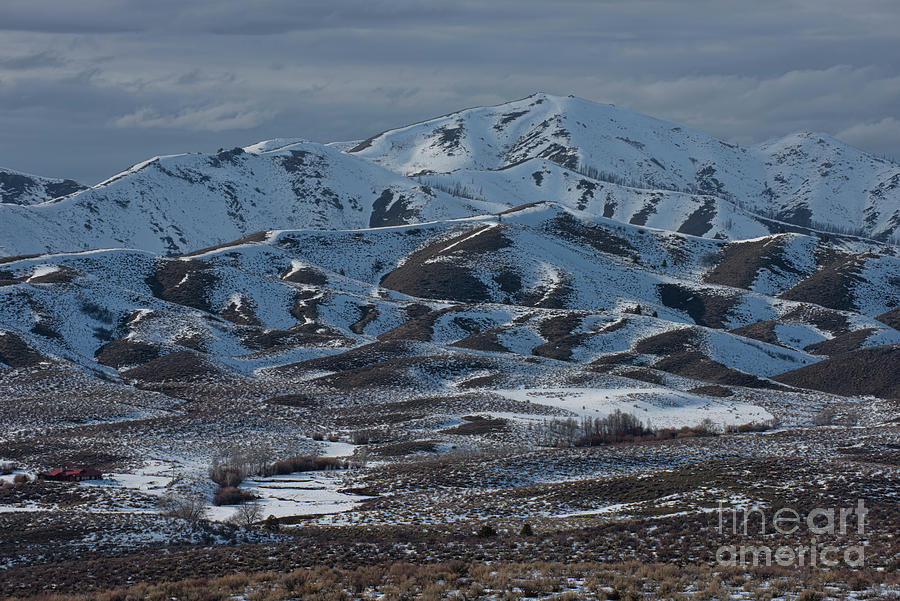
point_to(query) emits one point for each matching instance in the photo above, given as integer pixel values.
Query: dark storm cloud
(89, 87)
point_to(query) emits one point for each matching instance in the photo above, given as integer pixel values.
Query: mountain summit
(597, 159)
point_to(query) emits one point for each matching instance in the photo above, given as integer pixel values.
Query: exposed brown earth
(487, 340)
(713, 390)
(891, 318)
(706, 307)
(293, 400)
(599, 238)
(8, 278)
(476, 424)
(254, 237)
(739, 263)
(561, 337)
(831, 286)
(306, 307)
(185, 283)
(764, 331)
(870, 371)
(14, 352)
(841, 344)
(643, 375)
(354, 358)
(125, 351)
(434, 272)
(826, 319)
(306, 275)
(241, 313)
(482, 381)
(368, 314)
(180, 365)
(668, 343)
(62, 275)
(14, 258)
(419, 328)
(696, 365)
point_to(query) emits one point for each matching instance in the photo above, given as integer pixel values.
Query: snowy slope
(490, 243)
(817, 180)
(600, 159)
(179, 203)
(805, 179)
(541, 282)
(23, 189)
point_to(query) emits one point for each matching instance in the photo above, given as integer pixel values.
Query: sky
(91, 87)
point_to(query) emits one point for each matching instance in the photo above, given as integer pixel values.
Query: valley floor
(477, 495)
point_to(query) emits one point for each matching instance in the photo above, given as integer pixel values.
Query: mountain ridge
(602, 159)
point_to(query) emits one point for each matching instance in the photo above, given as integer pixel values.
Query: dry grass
(505, 580)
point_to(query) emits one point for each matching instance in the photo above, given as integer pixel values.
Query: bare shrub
(189, 508)
(360, 437)
(304, 463)
(619, 427)
(359, 459)
(751, 427)
(371, 436)
(271, 524)
(851, 418)
(709, 259)
(231, 495)
(825, 416)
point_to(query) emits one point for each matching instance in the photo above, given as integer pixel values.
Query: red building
(71, 474)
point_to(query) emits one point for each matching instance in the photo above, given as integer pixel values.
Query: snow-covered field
(658, 407)
(310, 494)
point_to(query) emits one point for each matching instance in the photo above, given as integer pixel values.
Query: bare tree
(360, 459)
(189, 508)
(825, 416)
(246, 515)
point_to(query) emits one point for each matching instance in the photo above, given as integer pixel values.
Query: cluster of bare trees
(455, 189)
(617, 425)
(828, 416)
(613, 428)
(233, 464)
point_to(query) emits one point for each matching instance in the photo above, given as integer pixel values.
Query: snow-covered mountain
(543, 232)
(600, 160)
(537, 283)
(23, 189)
(179, 203)
(806, 179)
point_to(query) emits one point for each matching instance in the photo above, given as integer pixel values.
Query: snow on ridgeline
(807, 179)
(178, 203)
(19, 188)
(601, 159)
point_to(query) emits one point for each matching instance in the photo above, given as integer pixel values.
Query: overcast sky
(89, 87)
